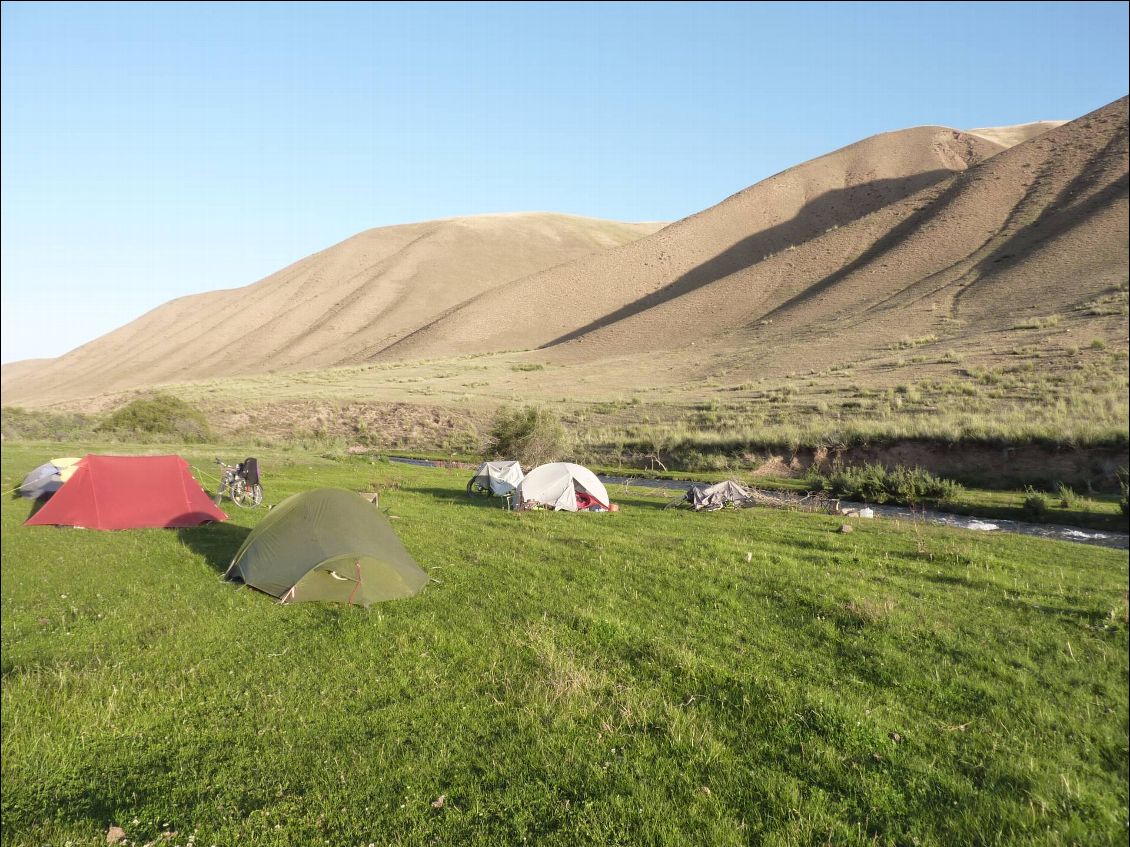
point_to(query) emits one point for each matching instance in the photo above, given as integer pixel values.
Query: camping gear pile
(731, 493)
(711, 498)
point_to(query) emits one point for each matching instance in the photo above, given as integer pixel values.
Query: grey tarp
(713, 497)
(40, 482)
(500, 477)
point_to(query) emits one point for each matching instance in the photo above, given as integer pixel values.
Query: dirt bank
(982, 465)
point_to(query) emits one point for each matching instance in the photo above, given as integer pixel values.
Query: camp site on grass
(757, 653)
(327, 544)
(563, 487)
(129, 492)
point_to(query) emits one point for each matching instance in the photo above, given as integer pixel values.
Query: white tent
(556, 485)
(500, 477)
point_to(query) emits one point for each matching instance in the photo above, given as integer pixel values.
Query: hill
(922, 232)
(339, 304)
(775, 215)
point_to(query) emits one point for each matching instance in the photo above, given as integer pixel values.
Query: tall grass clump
(531, 434)
(159, 415)
(874, 483)
(1035, 505)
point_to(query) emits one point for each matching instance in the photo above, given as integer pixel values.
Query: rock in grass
(846, 527)
(115, 835)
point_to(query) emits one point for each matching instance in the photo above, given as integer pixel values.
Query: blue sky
(155, 150)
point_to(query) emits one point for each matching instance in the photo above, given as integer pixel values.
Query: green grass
(644, 677)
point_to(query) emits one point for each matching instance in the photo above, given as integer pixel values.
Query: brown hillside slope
(772, 216)
(1034, 230)
(1037, 231)
(333, 306)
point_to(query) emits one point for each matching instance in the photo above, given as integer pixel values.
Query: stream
(1113, 540)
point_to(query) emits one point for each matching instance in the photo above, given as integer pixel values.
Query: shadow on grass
(36, 504)
(460, 498)
(216, 542)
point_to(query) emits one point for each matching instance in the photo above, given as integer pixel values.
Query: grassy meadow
(650, 676)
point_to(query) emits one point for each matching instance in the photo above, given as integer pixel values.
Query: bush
(1068, 499)
(877, 484)
(1035, 506)
(531, 435)
(18, 423)
(159, 414)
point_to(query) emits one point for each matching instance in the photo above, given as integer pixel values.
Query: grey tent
(327, 544)
(48, 478)
(713, 497)
(40, 482)
(499, 478)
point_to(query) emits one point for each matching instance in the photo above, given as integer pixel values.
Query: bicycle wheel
(239, 494)
(254, 494)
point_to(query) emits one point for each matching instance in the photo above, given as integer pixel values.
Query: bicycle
(241, 483)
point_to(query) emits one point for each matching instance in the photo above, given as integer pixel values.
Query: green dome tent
(328, 544)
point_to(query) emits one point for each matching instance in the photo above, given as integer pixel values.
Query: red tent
(129, 492)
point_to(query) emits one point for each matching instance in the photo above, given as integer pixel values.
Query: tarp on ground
(41, 482)
(556, 485)
(713, 497)
(48, 478)
(129, 492)
(328, 544)
(500, 477)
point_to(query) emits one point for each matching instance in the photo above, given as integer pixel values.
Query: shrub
(1068, 499)
(531, 435)
(874, 483)
(17, 423)
(1035, 506)
(159, 414)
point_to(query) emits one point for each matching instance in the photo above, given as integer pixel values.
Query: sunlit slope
(1032, 234)
(771, 218)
